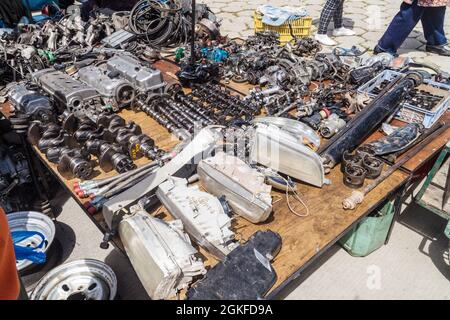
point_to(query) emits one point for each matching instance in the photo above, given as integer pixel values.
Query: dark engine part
(129, 137)
(31, 103)
(348, 158)
(198, 73)
(60, 148)
(373, 167)
(16, 188)
(109, 156)
(363, 124)
(172, 115)
(74, 164)
(398, 140)
(365, 151)
(223, 105)
(354, 176)
(362, 75)
(137, 146)
(245, 274)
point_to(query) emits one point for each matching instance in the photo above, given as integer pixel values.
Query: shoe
(442, 50)
(342, 31)
(377, 50)
(325, 40)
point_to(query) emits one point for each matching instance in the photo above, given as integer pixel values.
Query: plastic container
(300, 28)
(370, 234)
(409, 113)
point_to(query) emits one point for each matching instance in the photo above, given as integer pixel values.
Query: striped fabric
(332, 9)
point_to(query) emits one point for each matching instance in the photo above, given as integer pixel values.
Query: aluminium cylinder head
(142, 78)
(115, 90)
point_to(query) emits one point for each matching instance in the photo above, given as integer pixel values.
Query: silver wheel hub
(31, 221)
(78, 280)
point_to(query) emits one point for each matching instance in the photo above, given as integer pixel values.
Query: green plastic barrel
(370, 234)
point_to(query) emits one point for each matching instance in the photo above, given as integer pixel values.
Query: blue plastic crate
(409, 113)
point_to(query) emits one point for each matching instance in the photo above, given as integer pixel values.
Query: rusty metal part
(354, 176)
(349, 158)
(373, 167)
(365, 151)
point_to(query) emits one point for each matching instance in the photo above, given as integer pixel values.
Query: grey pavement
(369, 19)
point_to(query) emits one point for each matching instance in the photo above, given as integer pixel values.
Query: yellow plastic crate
(301, 28)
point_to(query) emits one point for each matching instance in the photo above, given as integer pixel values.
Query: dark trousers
(332, 9)
(404, 22)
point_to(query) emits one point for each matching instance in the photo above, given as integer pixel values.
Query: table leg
(397, 209)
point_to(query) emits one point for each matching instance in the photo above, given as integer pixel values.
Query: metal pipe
(365, 122)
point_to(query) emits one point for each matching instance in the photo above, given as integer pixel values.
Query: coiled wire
(163, 24)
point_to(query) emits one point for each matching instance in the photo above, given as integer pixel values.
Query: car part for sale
(354, 176)
(357, 197)
(76, 97)
(129, 136)
(161, 254)
(283, 152)
(330, 126)
(398, 140)
(119, 206)
(86, 279)
(294, 127)
(118, 38)
(373, 167)
(363, 124)
(143, 78)
(243, 187)
(363, 74)
(365, 151)
(352, 159)
(109, 157)
(115, 91)
(190, 74)
(34, 222)
(16, 188)
(204, 216)
(31, 103)
(174, 116)
(47, 136)
(246, 273)
(59, 148)
(74, 164)
(222, 104)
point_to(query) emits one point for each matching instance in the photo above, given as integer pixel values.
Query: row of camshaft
(71, 145)
(208, 104)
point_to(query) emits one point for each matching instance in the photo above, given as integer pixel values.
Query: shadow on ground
(128, 285)
(431, 227)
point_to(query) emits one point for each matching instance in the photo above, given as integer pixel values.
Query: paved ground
(368, 18)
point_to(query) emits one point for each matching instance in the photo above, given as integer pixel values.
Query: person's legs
(338, 13)
(327, 14)
(433, 26)
(339, 29)
(400, 28)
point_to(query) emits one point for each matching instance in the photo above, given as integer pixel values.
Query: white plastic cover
(161, 254)
(242, 186)
(202, 214)
(279, 150)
